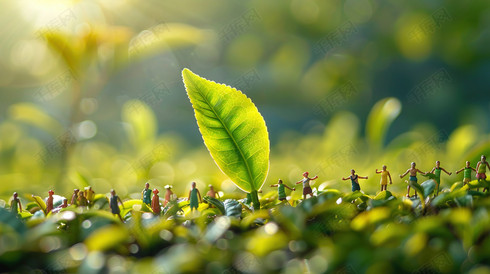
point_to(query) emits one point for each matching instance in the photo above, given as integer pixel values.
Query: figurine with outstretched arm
(437, 175)
(354, 180)
(466, 172)
(413, 176)
(306, 184)
(281, 191)
(385, 174)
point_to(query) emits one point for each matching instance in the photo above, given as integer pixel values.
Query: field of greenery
(97, 94)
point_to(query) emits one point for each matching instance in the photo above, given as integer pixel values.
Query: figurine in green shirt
(281, 191)
(467, 173)
(15, 205)
(146, 194)
(437, 174)
(193, 197)
(114, 205)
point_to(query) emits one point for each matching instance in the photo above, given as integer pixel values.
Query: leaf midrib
(252, 183)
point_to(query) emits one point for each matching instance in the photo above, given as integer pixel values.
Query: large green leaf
(233, 130)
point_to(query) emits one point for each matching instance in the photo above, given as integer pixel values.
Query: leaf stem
(255, 199)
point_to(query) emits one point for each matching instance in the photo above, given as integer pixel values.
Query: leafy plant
(233, 131)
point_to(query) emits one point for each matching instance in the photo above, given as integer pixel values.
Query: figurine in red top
(306, 184)
(155, 202)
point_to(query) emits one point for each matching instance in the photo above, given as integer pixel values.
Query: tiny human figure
(212, 193)
(193, 194)
(49, 201)
(155, 202)
(82, 201)
(413, 176)
(281, 191)
(74, 197)
(114, 205)
(64, 204)
(168, 195)
(89, 194)
(355, 180)
(146, 194)
(481, 168)
(15, 205)
(385, 174)
(306, 184)
(467, 173)
(437, 173)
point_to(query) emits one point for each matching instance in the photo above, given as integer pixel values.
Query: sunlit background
(91, 92)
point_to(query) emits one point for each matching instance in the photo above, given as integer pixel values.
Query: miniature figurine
(74, 197)
(481, 168)
(15, 204)
(385, 174)
(467, 173)
(306, 184)
(437, 173)
(49, 202)
(89, 194)
(82, 201)
(413, 176)
(114, 206)
(354, 180)
(146, 194)
(64, 204)
(281, 191)
(60, 207)
(155, 202)
(212, 193)
(169, 195)
(193, 194)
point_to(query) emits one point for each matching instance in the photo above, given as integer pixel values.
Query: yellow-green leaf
(142, 123)
(106, 238)
(40, 202)
(380, 118)
(233, 130)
